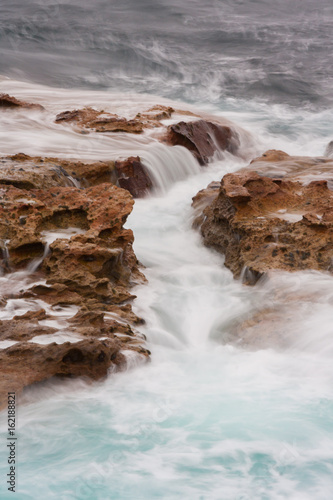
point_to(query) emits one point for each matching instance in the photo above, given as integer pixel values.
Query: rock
(203, 138)
(26, 363)
(133, 176)
(101, 121)
(156, 113)
(202, 200)
(29, 172)
(93, 268)
(10, 102)
(26, 172)
(272, 215)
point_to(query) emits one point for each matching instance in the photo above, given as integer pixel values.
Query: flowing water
(224, 411)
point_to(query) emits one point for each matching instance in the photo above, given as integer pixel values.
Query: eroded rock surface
(273, 215)
(75, 255)
(28, 172)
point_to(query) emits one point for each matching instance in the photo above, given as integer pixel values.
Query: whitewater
(222, 411)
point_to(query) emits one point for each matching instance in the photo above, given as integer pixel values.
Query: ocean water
(211, 417)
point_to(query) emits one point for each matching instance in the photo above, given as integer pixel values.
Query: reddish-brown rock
(100, 121)
(203, 138)
(280, 221)
(92, 268)
(26, 363)
(10, 102)
(133, 176)
(29, 172)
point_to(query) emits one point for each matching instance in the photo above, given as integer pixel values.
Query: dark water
(194, 50)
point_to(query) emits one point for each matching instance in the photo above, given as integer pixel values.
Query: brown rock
(100, 121)
(10, 102)
(93, 270)
(203, 138)
(133, 176)
(25, 363)
(203, 199)
(29, 172)
(273, 222)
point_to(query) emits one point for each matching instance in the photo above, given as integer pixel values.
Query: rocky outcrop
(10, 102)
(25, 363)
(273, 215)
(203, 138)
(27, 172)
(71, 243)
(102, 121)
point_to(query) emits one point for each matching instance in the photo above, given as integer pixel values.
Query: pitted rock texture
(28, 172)
(280, 221)
(92, 271)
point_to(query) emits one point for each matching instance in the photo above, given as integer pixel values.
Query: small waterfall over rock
(167, 165)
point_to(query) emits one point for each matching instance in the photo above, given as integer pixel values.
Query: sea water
(224, 411)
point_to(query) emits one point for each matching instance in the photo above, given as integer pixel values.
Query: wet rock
(202, 200)
(203, 138)
(101, 121)
(25, 363)
(29, 172)
(272, 215)
(10, 102)
(22, 329)
(133, 176)
(25, 172)
(92, 267)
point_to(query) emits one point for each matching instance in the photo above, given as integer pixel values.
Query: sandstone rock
(202, 200)
(272, 215)
(203, 138)
(10, 102)
(23, 171)
(156, 113)
(133, 176)
(100, 121)
(29, 172)
(93, 268)
(25, 363)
